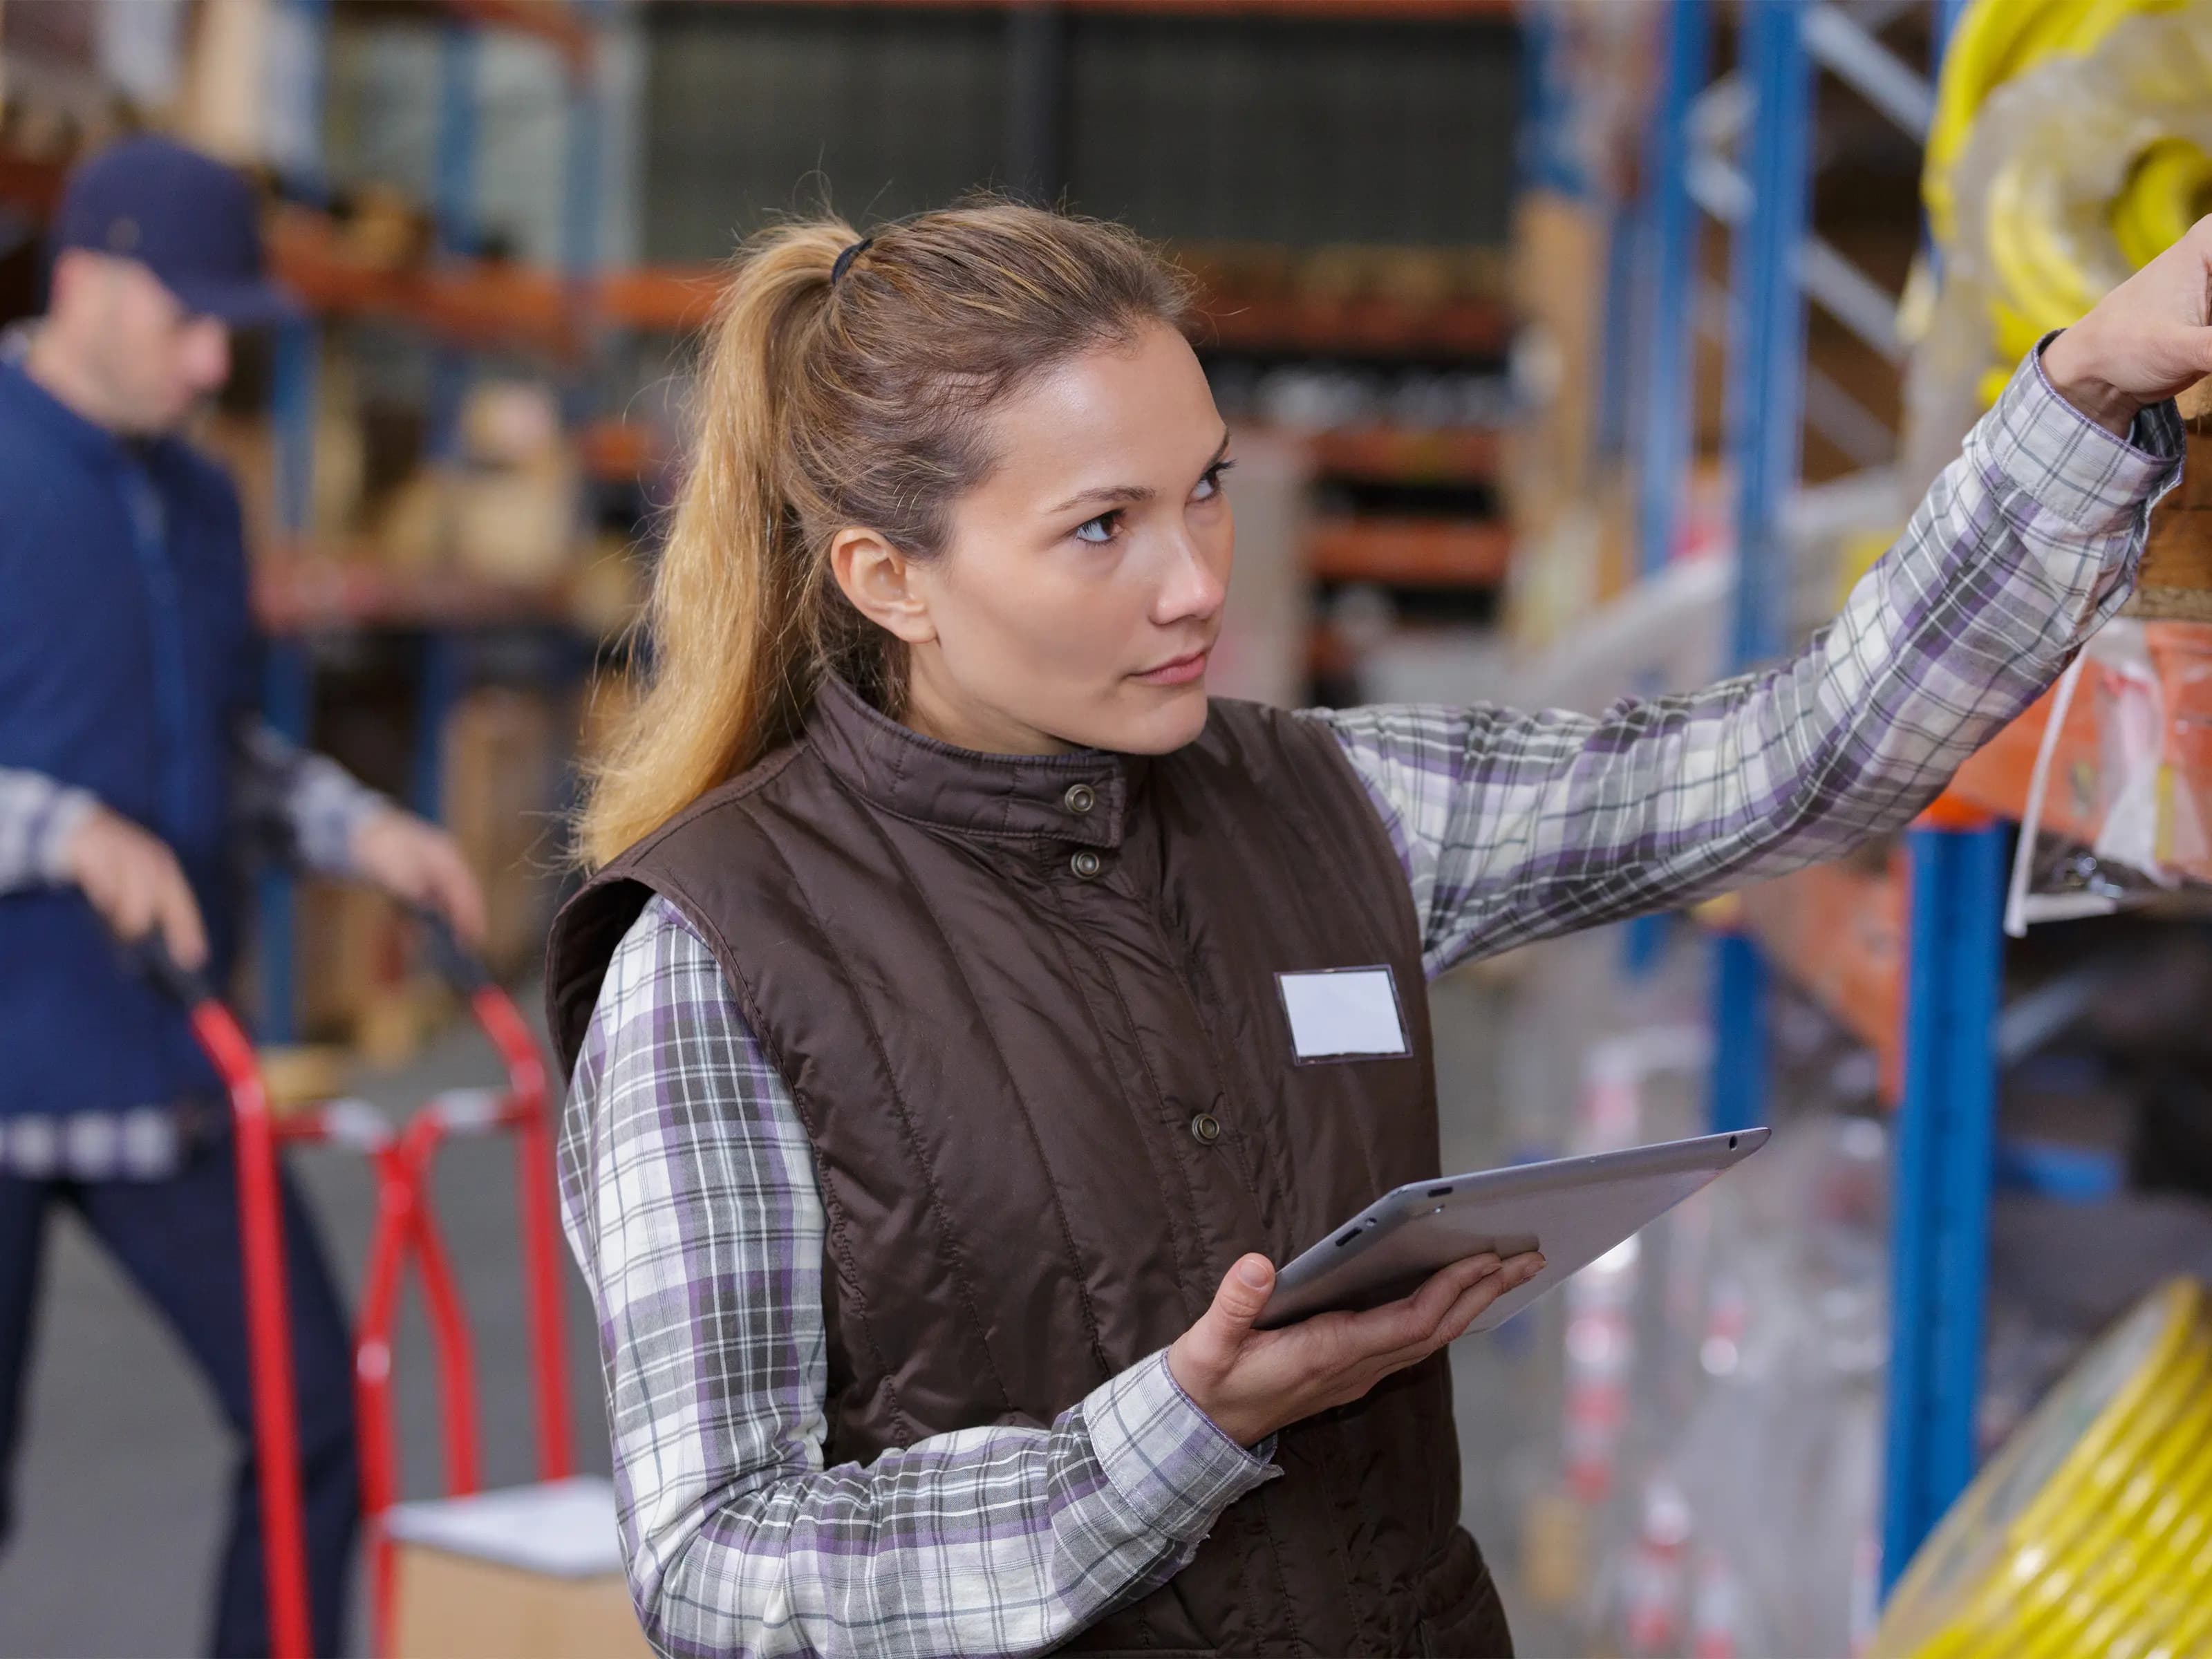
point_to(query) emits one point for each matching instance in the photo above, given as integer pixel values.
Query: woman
(937, 1114)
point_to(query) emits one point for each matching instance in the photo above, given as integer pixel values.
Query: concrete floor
(121, 1487)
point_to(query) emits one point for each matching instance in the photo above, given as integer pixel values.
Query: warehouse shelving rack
(1914, 970)
(1444, 553)
(561, 316)
(1910, 961)
(464, 306)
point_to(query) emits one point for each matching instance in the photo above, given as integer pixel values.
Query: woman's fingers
(1477, 1301)
(1396, 1324)
(1470, 1305)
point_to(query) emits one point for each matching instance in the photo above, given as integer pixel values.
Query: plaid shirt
(285, 802)
(687, 1183)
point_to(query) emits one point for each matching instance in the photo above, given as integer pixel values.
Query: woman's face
(1080, 589)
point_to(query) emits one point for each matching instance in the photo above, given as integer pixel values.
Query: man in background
(133, 774)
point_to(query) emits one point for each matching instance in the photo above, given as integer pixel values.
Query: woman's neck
(939, 710)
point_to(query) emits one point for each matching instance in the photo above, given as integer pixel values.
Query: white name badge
(1343, 1013)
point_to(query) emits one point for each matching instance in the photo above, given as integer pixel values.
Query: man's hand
(419, 863)
(134, 881)
(2146, 340)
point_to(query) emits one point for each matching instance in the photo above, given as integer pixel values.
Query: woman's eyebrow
(1105, 495)
(1122, 495)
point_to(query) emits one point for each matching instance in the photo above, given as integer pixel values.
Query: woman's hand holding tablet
(1252, 1382)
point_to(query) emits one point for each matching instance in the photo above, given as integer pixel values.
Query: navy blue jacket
(127, 660)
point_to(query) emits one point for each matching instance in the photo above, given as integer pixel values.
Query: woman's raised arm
(1515, 826)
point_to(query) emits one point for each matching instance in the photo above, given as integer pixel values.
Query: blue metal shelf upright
(443, 663)
(1945, 1152)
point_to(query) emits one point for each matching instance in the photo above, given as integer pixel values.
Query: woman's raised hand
(2146, 340)
(1252, 1382)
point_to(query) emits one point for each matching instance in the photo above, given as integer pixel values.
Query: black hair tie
(845, 260)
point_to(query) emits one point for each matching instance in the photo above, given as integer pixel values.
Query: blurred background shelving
(506, 218)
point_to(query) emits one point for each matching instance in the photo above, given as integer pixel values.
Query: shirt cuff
(56, 822)
(1166, 1459)
(2075, 469)
(327, 805)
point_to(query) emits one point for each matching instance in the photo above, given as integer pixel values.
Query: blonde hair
(826, 403)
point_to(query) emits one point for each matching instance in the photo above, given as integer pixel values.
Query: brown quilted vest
(1006, 993)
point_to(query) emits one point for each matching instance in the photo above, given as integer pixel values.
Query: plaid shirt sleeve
(1514, 827)
(302, 806)
(688, 1196)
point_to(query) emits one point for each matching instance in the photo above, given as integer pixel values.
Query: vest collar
(1080, 798)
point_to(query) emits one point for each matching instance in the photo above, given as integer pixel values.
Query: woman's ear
(879, 580)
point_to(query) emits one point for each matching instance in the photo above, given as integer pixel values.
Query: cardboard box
(2176, 582)
(531, 1572)
(1560, 250)
(454, 1607)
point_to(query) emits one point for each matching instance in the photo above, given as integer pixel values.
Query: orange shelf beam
(31, 185)
(616, 452)
(1996, 780)
(1409, 552)
(305, 592)
(469, 302)
(554, 21)
(1393, 11)
(1459, 328)
(677, 298)
(671, 299)
(1396, 455)
(1838, 932)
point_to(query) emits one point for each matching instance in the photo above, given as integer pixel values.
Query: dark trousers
(177, 1241)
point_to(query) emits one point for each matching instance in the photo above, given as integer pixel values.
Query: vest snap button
(1079, 799)
(1205, 1128)
(1086, 864)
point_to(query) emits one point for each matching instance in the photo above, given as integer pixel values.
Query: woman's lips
(1182, 671)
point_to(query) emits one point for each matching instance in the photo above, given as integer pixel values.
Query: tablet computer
(1574, 1210)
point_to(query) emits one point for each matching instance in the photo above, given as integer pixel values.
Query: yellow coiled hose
(2030, 234)
(2090, 1531)
(1995, 40)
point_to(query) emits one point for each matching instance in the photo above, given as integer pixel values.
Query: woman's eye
(1100, 529)
(1209, 486)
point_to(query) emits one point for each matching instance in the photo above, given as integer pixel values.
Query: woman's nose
(1192, 587)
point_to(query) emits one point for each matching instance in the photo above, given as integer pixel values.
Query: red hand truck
(403, 1161)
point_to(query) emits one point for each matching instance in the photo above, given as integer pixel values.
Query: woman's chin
(1175, 717)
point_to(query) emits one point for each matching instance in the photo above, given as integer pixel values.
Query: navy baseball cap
(185, 216)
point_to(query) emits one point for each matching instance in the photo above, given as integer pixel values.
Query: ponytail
(836, 393)
(728, 676)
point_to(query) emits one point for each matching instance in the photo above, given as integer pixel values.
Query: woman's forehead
(1139, 414)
